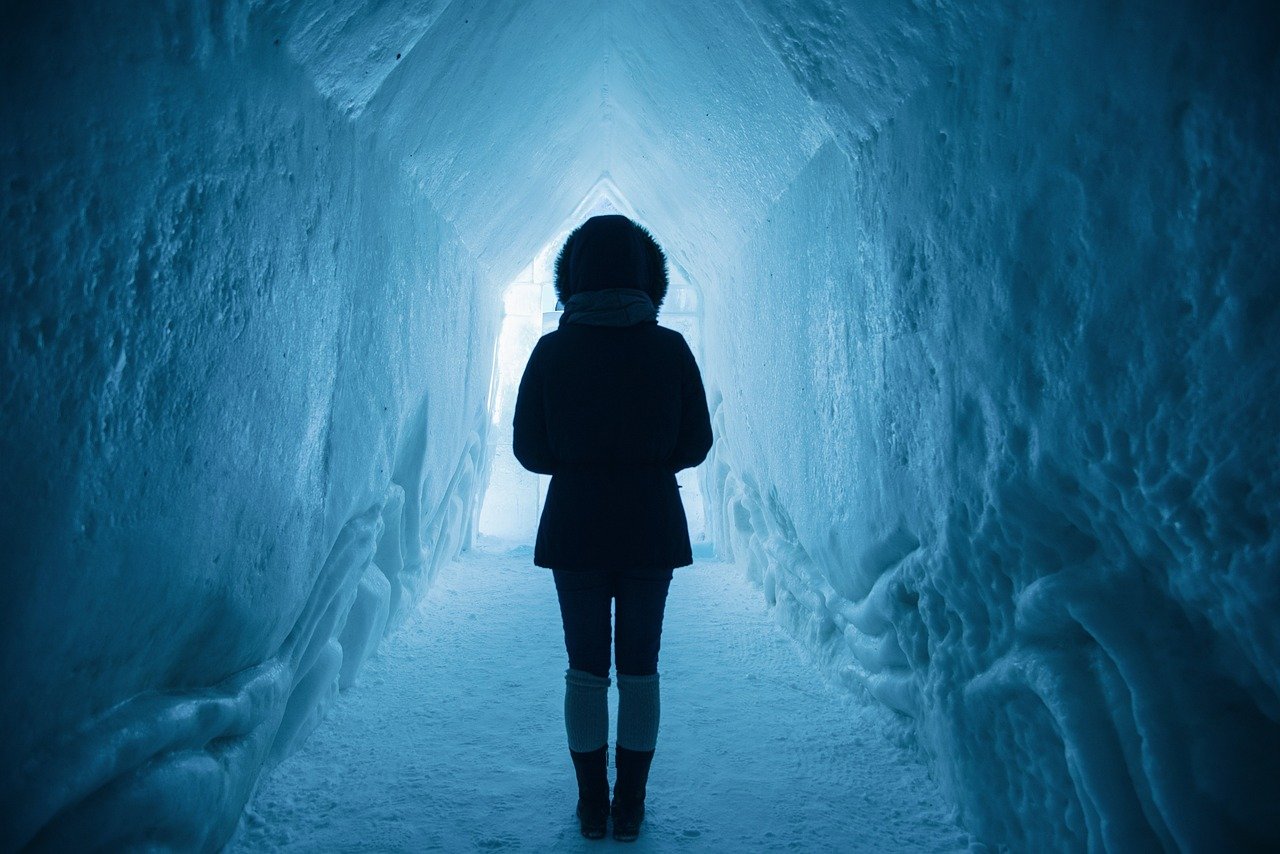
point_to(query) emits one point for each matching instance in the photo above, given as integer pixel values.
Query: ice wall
(1023, 305)
(240, 422)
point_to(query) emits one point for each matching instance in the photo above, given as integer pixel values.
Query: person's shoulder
(671, 338)
(544, 346)
(549, 339)
(667, 334)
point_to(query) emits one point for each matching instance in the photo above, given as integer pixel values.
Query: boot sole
(597, 831)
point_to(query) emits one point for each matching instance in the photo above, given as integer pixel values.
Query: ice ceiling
(988, 327)
(507, 116)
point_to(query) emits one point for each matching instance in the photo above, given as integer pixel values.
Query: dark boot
(628, 792)
(592, 770)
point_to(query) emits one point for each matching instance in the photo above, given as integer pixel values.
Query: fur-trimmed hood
(611, 251)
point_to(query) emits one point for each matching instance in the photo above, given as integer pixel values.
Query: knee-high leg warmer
(586, 710)
(638, 711)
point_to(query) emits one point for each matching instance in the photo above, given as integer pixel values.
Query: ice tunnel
(986, 299)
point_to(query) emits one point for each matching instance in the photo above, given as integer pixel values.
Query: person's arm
(694, 440)
(531, 445)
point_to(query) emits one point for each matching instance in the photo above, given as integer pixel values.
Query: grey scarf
(611, 307)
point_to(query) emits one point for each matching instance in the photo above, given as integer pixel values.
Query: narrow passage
(454, 740)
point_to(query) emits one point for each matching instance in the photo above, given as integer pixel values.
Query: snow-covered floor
(454, 741)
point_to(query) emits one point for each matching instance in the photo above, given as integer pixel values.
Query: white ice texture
(989, 329)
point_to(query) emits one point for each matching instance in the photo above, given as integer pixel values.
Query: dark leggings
(584, 609)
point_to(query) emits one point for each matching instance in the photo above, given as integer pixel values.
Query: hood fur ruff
(611, 251)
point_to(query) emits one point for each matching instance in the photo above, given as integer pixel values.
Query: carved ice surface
(988, 319)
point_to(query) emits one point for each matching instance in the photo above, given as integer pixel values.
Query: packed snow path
(453, 739)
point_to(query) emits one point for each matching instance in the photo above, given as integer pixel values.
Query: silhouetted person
(611, 405)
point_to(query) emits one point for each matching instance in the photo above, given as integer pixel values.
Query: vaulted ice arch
(507, 115)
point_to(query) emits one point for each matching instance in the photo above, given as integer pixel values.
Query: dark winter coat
(612, 412)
